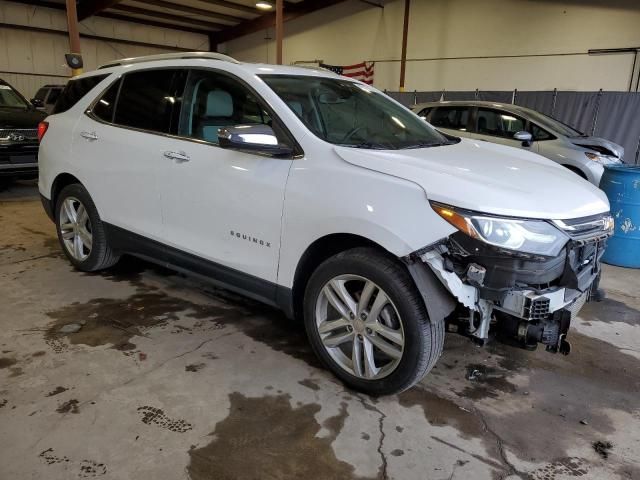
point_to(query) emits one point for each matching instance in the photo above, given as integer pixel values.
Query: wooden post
(405, 34)
(279, 30)
(74, 33)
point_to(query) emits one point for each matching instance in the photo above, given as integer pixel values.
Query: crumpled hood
(489, 178)
(602, 145)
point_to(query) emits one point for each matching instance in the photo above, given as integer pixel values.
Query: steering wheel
(351, 133)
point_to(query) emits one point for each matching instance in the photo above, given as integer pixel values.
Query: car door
(219, 205)
(498, 126)
(453, 120)
(119, 147)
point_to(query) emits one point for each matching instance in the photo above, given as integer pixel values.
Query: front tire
(367, 322)
(81, 232)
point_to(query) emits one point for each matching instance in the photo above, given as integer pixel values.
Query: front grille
(18, 134)
(577, 305)
(536, 309)
(585, 228)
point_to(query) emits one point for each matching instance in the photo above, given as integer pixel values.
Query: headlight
(594, 157)
(536, 237)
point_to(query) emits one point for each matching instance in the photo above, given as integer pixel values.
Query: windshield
(346, 113)
(555, 125)
(9, 98)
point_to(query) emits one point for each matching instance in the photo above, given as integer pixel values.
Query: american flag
(360, 71)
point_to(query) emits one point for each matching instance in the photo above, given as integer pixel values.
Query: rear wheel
(366, 320)
(80, 230)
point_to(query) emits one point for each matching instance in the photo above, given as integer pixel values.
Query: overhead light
(264, 5)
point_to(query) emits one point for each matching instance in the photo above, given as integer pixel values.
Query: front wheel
(367, 321)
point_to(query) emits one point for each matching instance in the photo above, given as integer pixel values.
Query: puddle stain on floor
(259, 437)
(116, 321)
(610, 311)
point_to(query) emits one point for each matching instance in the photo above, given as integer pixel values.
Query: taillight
(42, 129)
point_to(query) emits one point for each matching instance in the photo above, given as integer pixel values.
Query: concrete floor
(169, 378)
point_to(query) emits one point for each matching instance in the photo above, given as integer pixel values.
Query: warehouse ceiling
(222, 20)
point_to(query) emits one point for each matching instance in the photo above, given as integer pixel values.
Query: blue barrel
(621, 183)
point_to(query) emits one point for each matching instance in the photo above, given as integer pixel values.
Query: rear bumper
(48, 207)
(19, 160)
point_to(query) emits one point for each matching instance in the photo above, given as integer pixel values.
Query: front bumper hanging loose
(527, 301)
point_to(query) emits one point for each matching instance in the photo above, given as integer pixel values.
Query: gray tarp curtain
(611, 115)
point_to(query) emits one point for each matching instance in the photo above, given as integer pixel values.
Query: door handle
(89, 135)
(177, 156)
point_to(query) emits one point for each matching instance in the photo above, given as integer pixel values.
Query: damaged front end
(527, 296)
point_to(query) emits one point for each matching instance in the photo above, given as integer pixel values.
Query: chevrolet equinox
(320, 195)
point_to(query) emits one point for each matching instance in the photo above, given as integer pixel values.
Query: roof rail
(169, 56)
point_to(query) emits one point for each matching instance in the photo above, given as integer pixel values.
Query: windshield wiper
(426, 145)
(368, 145)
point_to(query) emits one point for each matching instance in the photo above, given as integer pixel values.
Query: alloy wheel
(359, 327)
(75, 228)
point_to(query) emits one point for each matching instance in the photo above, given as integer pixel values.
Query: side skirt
(250, 286)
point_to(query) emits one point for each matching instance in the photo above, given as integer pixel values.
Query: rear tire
(373, 349)
(81, 232)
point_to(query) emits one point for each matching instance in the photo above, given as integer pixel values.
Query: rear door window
(498, 123)
(54, 94)
(41, 94)
(105, 107)
(454, 118)
(147, 99)
(75, 90)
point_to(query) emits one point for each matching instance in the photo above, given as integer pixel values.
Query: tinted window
(146, 100)
(9, 98)
(213, 101)
(40, 94)
(425, 112)
(351, 114)
(539, 133)
(54, 94)
(455, 118)
(499, 124)
(74, 91)
(105, 106)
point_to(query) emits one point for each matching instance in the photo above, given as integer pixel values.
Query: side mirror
(259, 139)
(525, 137)
(36, 102)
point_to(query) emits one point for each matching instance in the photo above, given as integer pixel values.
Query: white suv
(322, 196)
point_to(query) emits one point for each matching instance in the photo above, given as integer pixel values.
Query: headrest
(219, 104)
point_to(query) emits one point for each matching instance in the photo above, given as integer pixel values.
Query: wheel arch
(316, 253)
(576, 170)
(61, 181)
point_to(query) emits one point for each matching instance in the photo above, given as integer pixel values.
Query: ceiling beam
(235, 6)
(123, 18)
(268, 20)
(169, 16)
(192, 10)
(88, 8)
(154, 23)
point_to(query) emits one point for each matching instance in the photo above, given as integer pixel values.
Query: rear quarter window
(75, 90)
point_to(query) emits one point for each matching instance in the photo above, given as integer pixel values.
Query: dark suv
(18, 135)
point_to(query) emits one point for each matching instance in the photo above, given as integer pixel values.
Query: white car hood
(488, 178)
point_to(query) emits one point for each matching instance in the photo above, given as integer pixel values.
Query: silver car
(522, 127)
